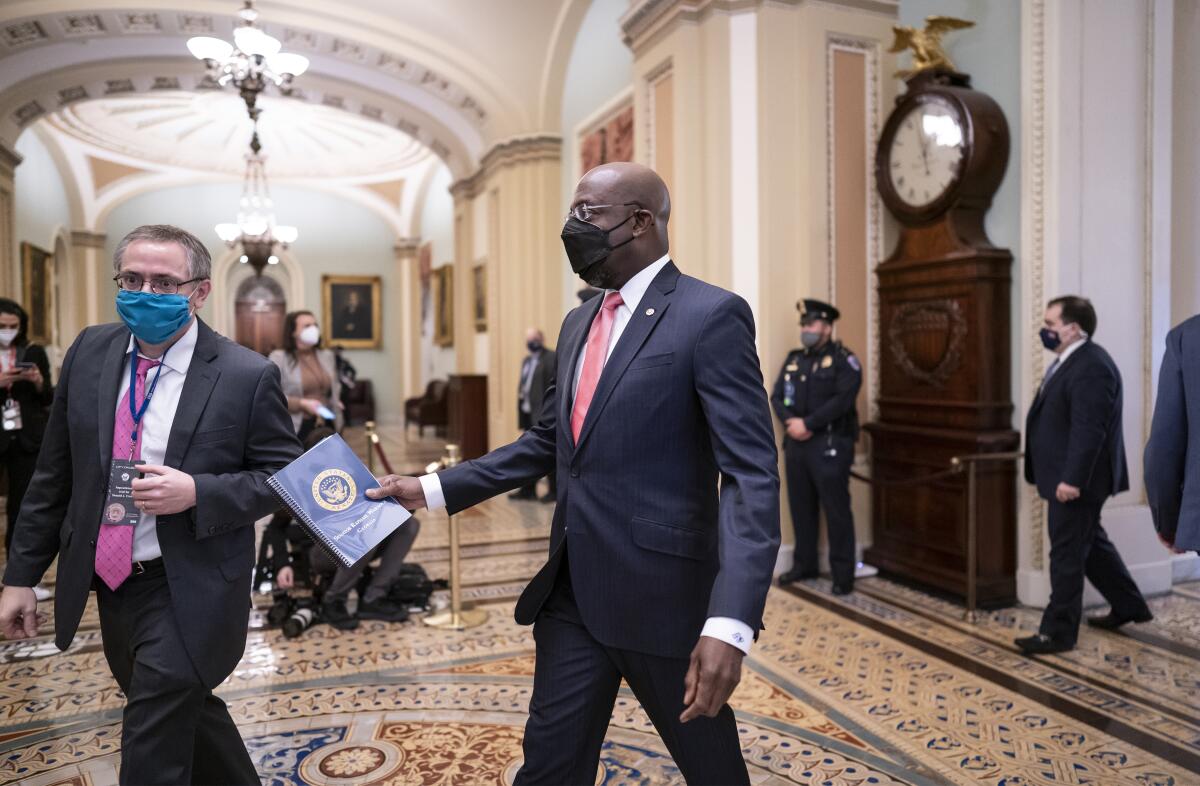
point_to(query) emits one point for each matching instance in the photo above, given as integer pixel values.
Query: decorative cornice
(406, 248)
(9, 159)
(522, 150)
(648, 19)
(81, 238)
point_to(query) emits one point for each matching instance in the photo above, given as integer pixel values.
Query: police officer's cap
(815, 309)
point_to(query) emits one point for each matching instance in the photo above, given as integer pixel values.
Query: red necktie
(593, 362)
(114, 547)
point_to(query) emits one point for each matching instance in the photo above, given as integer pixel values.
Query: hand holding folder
(325, 489)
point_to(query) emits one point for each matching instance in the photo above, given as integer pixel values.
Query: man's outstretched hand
(407, 491)
(715, 671)
(18, 613)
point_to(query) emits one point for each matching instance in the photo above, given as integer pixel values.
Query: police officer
(814, 399)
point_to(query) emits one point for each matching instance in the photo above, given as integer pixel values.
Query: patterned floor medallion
(838, 691)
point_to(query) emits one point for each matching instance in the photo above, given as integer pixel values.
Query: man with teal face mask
(153, 471)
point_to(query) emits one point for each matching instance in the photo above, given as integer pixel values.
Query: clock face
(926, 153)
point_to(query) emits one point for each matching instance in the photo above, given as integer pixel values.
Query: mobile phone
(23, 365)
(326, 413)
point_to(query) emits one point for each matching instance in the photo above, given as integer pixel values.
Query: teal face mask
(153, 318)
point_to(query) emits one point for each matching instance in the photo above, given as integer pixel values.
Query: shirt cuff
(431, 486)
(733, 632)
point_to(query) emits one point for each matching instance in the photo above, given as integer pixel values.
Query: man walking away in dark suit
(1172, 465)
(667, 524)
(537, 377)
(1075, 455)
(150, 478)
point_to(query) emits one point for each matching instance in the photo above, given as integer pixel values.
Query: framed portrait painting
(352, 312)
(37, 271)
(443, 315)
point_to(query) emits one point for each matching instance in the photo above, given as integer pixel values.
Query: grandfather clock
(944, 334)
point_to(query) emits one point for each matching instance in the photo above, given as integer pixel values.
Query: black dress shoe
(382, 609)
(548, 498)
(794, 575)
(1111, 621)
(843, 589)
(336, 614)
(1041, 644)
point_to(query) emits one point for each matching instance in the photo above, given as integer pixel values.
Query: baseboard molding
(1185, 567)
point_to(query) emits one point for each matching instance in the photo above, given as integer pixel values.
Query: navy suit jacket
(1172, 463)
(1073, 432)
(668, 506)
(230, 433)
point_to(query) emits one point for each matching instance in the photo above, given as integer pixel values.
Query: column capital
(82, 238)
(540, 147)
(9, 159)
(406, 248)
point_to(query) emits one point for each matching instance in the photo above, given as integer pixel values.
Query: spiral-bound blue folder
(325, 489)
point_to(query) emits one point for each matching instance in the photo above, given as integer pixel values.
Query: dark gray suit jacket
(231, 432)
(1172, 465)
(669, 503)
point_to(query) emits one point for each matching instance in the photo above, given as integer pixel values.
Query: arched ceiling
(208, 131)
(476, 72)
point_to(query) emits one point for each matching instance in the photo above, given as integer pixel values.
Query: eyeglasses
(584, 212)
(133, 282)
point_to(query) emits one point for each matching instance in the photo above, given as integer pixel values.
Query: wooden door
(259, 313)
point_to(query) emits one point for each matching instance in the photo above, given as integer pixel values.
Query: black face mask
(533, 346)
(588, 247)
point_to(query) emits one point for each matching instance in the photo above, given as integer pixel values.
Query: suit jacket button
(212, 530)
(92, 543)
(574, 473)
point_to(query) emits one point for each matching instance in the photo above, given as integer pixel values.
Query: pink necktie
(114, 547)
(593, 362)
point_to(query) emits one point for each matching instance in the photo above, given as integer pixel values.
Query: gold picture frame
(479, 292)
(352, 311)
(443, 298)
(37, 275)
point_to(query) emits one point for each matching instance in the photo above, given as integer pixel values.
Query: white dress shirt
(733, 632)
(155, 427)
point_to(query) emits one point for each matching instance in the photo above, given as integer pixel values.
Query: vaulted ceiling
(454, 75)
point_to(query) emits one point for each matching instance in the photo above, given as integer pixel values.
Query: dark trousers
(1080, 548)
(19, 464)
(391, 552)
(525, 422)
(575, 685)
(817, 480)
(174, 730)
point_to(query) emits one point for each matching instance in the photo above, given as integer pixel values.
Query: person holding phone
(310, 379)
(27, 392)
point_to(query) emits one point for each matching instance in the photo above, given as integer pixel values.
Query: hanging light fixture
(256, 230)
(251, 62)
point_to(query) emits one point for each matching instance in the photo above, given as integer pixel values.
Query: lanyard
(137, 413)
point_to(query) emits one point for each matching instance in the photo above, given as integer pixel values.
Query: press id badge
(119, 510)
(10, 416)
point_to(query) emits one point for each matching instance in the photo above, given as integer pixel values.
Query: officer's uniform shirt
(821, 387)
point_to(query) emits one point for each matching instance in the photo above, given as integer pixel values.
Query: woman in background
(25, 395)
(309, 373)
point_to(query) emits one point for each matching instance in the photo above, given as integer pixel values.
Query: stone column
(93, 291)
(8, 229)
(511, 209)
(406, 293)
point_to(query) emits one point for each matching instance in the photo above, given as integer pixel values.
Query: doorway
(259, 310)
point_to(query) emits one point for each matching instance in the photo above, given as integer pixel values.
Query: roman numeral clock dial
(926, 153)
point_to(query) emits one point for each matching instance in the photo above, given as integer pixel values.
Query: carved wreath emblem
(926, 339)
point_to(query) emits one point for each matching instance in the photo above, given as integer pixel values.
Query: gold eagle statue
(926, 45)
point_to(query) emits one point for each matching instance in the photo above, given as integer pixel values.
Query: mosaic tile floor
(885, 686)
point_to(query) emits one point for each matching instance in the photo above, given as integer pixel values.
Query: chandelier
(251, 62)
(256, 229)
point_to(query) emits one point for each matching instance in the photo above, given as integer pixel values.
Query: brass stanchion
(456, 618)
(972, 543)
(372, 438)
